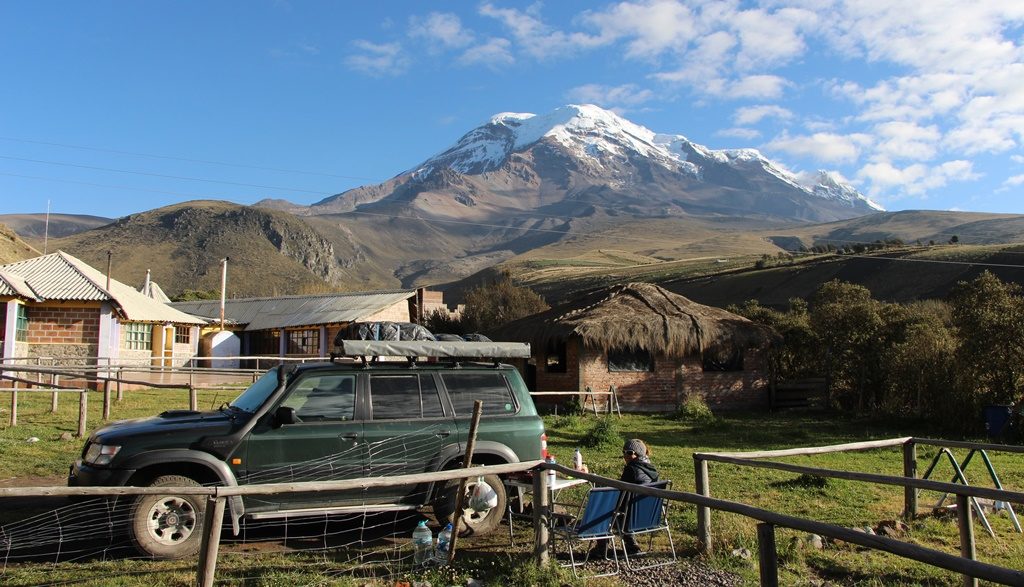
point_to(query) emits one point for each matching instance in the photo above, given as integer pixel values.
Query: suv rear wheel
(168, 526)
(475, 522)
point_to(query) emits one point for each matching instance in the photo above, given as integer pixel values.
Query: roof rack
(438, 349)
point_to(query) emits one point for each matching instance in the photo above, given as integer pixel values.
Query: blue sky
(111, 108)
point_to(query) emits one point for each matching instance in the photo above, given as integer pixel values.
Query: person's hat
(635, 445)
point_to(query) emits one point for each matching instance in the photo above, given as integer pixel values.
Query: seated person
(640, 470)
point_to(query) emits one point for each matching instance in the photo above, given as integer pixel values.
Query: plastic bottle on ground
(444, 540)
(422, 543)
(577, 460)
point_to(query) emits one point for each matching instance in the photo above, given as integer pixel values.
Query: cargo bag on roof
(383, 331)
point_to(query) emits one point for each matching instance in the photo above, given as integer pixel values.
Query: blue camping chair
(595, 522)
(646, 515)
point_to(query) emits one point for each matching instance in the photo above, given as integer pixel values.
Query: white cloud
(906, 140)
(378, 59)
(495, 53)
(822, 146)
(651, 27)
(1014, 180)
(747, 134)
(916, 179)
(755, 114)
(1017, 158)
(771, 38)
(627, 95)
(536, 38)
(444, 29)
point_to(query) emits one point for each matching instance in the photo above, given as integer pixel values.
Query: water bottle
(551, 472)
(422, 543)
(577, 460)
(444, 540)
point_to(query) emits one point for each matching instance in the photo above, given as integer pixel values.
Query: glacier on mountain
(596, 135)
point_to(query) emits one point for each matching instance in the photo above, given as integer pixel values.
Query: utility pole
(223, 288)
(110, 255)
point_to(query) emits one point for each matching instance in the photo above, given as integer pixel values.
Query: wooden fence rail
(218, 495)
(958, 564)
(908, 481)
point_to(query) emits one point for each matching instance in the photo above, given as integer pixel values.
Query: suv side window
(323, 397)
(491, 388)
(396, 397)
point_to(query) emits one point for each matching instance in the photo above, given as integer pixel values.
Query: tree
(497, 303)
(848, 322)
(989, 317)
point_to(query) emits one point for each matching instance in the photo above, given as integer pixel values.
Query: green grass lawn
(841, 502)
(672, 441)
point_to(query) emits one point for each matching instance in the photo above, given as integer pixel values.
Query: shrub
(573, 406)
(603, 434)
(694, 409)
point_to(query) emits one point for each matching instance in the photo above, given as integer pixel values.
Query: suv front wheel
(168, 526)
(475, 522)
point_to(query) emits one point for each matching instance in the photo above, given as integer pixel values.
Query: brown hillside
(13, 248)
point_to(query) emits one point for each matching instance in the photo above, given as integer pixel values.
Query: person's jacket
(639, 472)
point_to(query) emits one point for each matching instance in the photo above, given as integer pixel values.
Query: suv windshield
(252, 398)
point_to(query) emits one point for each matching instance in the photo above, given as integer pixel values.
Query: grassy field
(673, 442)
(846, 503)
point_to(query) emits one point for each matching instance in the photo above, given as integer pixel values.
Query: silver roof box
(440, 349)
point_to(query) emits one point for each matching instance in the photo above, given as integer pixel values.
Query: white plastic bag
(483, 498)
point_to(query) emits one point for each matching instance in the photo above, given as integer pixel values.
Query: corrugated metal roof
(60, 276)
(15, 285)
(293, 311)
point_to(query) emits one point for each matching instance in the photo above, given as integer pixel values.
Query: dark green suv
(314, 422)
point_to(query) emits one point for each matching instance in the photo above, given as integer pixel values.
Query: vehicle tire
(168, 526)
(474, 522)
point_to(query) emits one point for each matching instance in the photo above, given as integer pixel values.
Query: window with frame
(21, 324)
(323, 397)
(182, 334)
(723, 359)
(554, 357)
(399, 397)
(138, 336)
(491, 388)
(265, 342)
(304, 342)
(630, 360)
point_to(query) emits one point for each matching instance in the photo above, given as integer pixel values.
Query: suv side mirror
(285, 415)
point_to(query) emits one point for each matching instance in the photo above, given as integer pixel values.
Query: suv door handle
(443, 433)
(351, 436)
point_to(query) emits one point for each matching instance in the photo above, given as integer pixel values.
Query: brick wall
(637, 391)
(662, 389)
(398, 312)
(63, 325)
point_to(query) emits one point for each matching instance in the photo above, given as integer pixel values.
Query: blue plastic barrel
(997, 420)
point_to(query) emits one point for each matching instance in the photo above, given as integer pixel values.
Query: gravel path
(685, 573)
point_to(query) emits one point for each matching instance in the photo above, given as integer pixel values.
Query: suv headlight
(100, 454)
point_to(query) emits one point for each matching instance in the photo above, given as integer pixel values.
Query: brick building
(59, 309)
(654, 346)
(305, 326)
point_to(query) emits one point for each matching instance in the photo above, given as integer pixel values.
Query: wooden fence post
(106, 399)
(965, 517)
(768, 559)
(213, 520)
(910, 472)
(702, 487)
(14, 404)
(120, 392)
(55, 394)
(478, 409)
(541, 516)
(193, 399)
(83, 410)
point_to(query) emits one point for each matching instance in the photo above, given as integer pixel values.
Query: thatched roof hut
(641, 316)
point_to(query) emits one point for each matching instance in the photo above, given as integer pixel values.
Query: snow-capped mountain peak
(597, 147)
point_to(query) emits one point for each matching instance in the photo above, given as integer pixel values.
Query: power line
(188, 159)
(164, 176)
